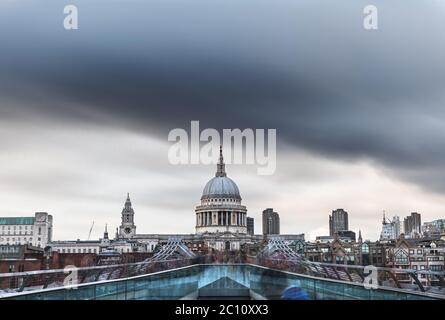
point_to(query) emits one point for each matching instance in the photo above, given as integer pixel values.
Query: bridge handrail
(354, 266)
(38, 272)
(416, 293)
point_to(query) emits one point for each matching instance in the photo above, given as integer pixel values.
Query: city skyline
(84, 119)
(258, 226)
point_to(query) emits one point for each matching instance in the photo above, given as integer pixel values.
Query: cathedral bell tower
(127, 228)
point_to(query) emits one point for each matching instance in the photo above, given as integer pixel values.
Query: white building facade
(36, 231)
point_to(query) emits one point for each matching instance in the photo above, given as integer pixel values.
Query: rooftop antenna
(91, 229)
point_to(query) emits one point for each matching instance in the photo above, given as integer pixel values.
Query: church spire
(128, 207)
(221, 167)
(106, 232)
(128, 201)
(360, 239)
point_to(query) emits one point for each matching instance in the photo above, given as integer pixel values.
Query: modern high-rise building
(413, 225)
(338, 221)
(271, 222)
(250, 226)
(390, 229)
(434, 228)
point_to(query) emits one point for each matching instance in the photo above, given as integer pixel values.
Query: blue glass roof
(17, 220)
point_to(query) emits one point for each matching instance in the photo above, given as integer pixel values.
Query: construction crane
(91, 229)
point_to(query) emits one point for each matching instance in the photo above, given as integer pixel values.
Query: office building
(413, 225)
(338, 221)
(271, 222)
(250, 226)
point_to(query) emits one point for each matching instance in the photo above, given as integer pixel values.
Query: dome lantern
(221, 167)
(221, 186)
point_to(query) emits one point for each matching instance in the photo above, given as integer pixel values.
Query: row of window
(23, 243)
(4, 233)
(427, 259)
(16, 227)
(419, 251)
(431, 268)
(9, 249)
(94, 250)
(18, 239)
(79, 250)
(365, 249)
(221, 200)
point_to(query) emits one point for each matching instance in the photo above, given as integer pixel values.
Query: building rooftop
(17, 221)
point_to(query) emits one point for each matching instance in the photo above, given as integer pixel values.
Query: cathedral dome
(221, 186)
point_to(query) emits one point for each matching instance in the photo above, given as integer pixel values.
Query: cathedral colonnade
(221, 218)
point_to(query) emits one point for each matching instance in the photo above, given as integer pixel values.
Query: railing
(389, 278)
(278, 255)
(379, 276)
(185, 282)
(11, 283)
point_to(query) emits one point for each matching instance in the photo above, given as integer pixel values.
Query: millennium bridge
(175, 272)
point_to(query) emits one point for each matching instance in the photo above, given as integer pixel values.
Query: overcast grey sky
(85, 114)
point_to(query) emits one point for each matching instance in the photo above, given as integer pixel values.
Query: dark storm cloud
(308, 69)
